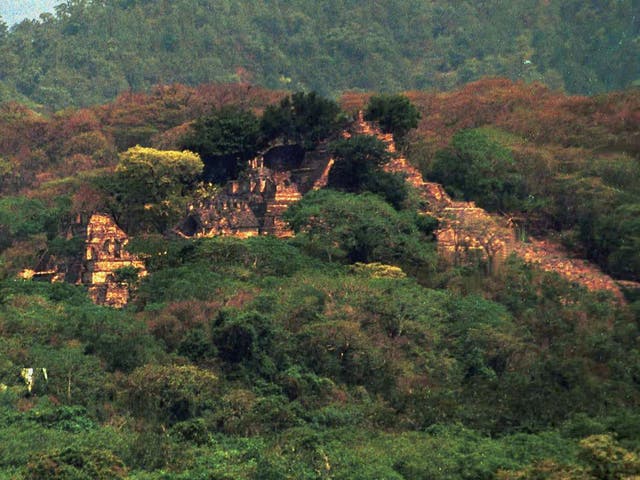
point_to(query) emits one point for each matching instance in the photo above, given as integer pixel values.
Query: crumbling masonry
(255, 205)
(105, 254)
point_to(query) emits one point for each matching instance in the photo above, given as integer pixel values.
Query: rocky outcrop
(105, 256)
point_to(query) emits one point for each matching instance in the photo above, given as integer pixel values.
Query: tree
(478, 168)
(357, 159)
(358, 228)
(357, 168)
(150, 187)
(617, 239)
(225, 139)
(394, 113)
(21, 217)
(119, 340)
(170, 393)
(303, 118)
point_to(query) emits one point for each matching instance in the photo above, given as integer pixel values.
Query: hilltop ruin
(255, 203)
(105, 256)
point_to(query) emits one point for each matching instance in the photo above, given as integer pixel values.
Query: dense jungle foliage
(349, 351)
(90, 50)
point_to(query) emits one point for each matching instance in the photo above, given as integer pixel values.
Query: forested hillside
(90, 51)
(350, 350)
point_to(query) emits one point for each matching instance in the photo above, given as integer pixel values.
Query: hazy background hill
(89, 51)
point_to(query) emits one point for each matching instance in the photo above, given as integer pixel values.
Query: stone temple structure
(104, 256)
(255, 203)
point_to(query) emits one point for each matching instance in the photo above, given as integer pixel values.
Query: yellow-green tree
(150, 187)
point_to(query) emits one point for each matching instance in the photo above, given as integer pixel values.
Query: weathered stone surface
(255, 204)
(105, 254)
(470, 234)
(467, 234)
(286, 194)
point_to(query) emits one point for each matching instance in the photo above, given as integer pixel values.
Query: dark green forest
(90, 50)
(353, 349)
(349, 351)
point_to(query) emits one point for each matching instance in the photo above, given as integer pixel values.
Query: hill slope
(90, 51)
(266, 358)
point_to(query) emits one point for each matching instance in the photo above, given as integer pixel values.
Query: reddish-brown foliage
(533, 112)
(38, 148)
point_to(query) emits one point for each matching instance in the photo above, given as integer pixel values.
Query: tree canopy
(478, 168)
(149, 186)
(225, 139)
(303, 118)
(91, 51)
(394, 113)
(358, 228)
(348, 350)
(358, 168)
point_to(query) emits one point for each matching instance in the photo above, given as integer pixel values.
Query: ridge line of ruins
(255, 204)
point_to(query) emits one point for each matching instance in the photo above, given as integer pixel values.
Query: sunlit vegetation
(88, 52)
(348, 351)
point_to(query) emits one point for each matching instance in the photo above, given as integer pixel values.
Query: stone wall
(467, 234)
(255, 203)
(105, 253)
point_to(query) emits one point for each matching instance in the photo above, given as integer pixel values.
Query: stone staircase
(552, 257)
(469, 232)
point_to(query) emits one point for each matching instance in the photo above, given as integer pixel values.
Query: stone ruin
(466, 234)
(255, 203)
(105, 254)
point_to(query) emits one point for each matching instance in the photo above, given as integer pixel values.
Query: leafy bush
(76, 463)
(358, 228)
(477, 168)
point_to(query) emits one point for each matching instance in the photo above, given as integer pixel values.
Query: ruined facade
(467, 234)
(255, 203)
(104, 256)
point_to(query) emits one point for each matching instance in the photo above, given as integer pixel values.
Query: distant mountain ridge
(90, 51)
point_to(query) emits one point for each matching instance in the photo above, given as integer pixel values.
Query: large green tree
(303, 118)
(225, 139)
(394, 113)
(358, 228)
(149, 189)
(358, 168)
(476, 167)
